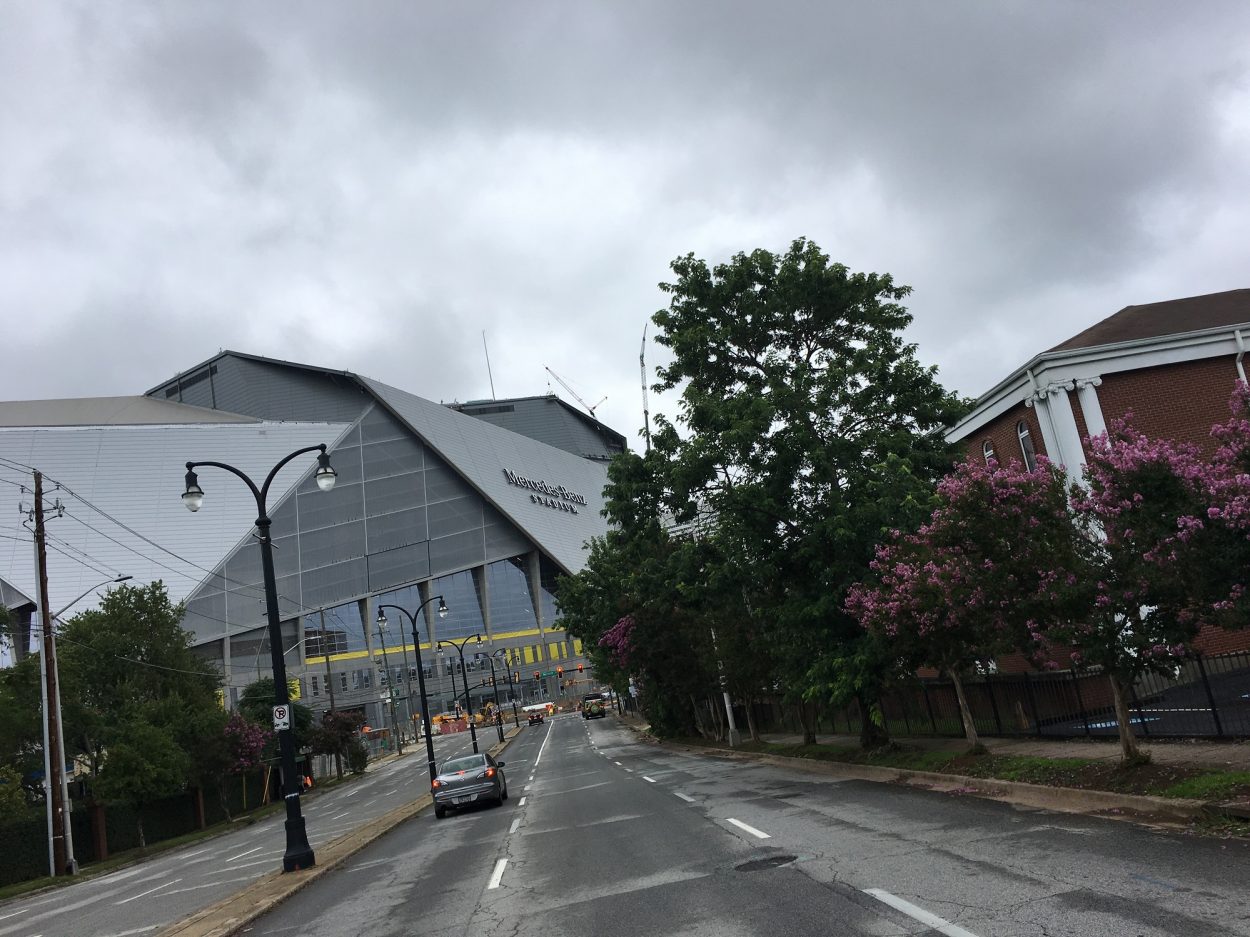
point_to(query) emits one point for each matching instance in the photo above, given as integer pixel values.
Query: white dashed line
(521, 802)
(248, 853)
(148, 892)
(759, 834)
(686, 797)
(515, 824)
(941, 925)
(616, 762)
(645, 778)
(630, 770)
(497, 875)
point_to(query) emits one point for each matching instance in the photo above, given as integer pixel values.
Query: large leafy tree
(130, 660)
(996, 568)
(807, 428)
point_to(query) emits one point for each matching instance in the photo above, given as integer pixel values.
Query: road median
(229, 915)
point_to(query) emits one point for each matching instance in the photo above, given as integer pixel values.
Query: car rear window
(464, 764)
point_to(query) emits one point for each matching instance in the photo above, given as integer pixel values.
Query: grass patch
(1211, 785)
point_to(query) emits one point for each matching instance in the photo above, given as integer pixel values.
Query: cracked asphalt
(606, 835)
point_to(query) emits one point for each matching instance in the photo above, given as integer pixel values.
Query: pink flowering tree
(1142, 514)
(993, 571)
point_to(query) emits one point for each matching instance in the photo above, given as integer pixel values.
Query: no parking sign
(281, 718)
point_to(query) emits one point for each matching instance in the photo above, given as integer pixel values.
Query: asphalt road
(604, 835)
(142, 898)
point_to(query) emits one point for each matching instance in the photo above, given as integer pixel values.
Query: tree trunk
(872, 735)
(338, 763)
(970, 728)
(698, 718)
(718, 718)
(807, 719)
(142, 840)
(1129, 752)
(751, 726)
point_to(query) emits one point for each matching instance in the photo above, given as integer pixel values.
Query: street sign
(281, 718)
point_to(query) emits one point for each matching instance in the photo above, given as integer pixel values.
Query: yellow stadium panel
(577, 646)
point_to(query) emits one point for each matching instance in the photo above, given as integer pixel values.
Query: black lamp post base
(299, 855)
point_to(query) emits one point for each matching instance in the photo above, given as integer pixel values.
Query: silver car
(472, 779)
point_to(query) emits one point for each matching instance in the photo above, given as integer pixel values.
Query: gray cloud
(371, 187)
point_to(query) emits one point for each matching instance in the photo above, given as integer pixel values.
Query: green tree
(144, 764)
(808, 429)
(257, 702)
(132, 655)
(337, 733)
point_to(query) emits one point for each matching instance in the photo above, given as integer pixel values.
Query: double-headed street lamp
(511, 692)
(468, 705)
(298, 855)
(390, 687)
(416, 642)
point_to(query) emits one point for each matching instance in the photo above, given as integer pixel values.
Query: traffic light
(559, 671)
(537, 675)
(581, 668)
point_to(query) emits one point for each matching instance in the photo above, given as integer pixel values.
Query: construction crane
(642, 365)
(564, 384)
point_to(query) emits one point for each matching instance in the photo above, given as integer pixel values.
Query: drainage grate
(769, 862)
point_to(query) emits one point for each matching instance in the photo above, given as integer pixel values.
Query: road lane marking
(497, 875)
(630, 770)
(686, 797)
(515, 824)
(941, 925)
(616, 762)
(5, 917)
(248, 853)
(131, 933)
(148, 892)
(546, 739)
(759, 834)
(341, 815)
(645, 778)
(521, 802)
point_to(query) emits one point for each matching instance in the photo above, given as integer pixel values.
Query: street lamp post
(490, 659)
(416, 641)
(299, 854)
(51, 677)
(390, 687)
(511, 692)
(468, 705)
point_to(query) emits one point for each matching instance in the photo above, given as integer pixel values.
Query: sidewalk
(1226, 755)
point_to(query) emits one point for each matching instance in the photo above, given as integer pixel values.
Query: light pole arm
(260, 500)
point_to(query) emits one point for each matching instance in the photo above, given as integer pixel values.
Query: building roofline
(1009, 387)
(337, 372)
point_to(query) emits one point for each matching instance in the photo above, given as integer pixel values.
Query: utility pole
(325, 648)
(62, 851)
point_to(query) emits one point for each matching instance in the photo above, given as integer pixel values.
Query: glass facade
(399, 631)
(511, 604)
(343, 632)
(464, 606)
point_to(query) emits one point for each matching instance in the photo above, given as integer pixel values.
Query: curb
(230, 914)
(1060, 799)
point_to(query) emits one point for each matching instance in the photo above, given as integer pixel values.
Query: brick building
(1172, 365)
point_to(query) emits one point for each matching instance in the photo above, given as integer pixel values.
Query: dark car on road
(536, 717)
(594, 706)
(472, 779)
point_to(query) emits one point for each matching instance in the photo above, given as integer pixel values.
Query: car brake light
(436, 783)
(490, 772)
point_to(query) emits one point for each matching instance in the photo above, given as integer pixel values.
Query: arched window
(987, 449)
(1026, 445)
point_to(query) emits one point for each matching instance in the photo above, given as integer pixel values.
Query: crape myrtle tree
(996, 568)
(1144, 513)
(808, 428)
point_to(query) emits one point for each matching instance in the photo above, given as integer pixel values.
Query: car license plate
(461, 800)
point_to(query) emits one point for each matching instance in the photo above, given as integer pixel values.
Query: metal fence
(1207, 697)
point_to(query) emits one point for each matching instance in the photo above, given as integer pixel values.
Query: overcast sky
(369, 186)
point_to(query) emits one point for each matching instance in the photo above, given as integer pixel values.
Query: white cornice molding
(1053, 369)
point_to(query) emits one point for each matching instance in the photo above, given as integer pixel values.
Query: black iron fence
(1206, 697)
